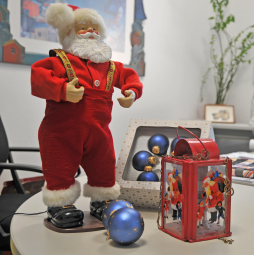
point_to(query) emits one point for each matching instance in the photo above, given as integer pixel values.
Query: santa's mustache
(88, 35)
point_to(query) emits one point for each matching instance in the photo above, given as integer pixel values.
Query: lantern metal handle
(191, 134)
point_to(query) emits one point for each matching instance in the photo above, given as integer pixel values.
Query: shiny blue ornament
(173, 143)
(148, 177)
(158, 144)
(125, 226)
(111, 208)
(140, 160)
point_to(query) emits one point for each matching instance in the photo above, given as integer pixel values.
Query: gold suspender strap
(67, 64)
(71, 73)
(110, 75)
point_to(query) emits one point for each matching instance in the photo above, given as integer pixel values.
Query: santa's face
(87, 28)
(84, 42)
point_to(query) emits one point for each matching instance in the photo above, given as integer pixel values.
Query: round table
(30, 236)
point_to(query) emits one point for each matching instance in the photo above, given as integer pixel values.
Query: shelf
(235, 126)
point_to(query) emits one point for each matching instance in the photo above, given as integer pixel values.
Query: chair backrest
(4, 145)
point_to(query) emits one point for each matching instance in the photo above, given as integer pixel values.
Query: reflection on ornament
(126, 227)
(173, 143)
(148, 176)
(158, 144)
(111, 208)
(140, 160)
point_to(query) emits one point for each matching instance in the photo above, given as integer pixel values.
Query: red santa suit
(167, 203)
(73, 134)
(213, 196)
(175, 194)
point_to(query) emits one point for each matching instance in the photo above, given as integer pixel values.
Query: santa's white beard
(93, 49)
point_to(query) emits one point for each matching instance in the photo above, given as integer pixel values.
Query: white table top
(30, 237)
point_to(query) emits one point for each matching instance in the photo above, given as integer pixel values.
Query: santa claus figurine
(75, 128)
(175, 193)
(214, 195)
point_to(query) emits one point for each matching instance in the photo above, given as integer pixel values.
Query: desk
(30, 237)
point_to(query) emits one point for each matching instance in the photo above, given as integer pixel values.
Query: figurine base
(90, 223)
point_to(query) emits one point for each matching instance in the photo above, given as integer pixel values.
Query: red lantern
(196, 191)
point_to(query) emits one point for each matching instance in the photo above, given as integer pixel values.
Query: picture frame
(219, 113)
(33, 50)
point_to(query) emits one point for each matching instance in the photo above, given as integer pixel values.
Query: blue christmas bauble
(148, 177)
(125, 226)
(158, 144)
(111, 208)
(140, 160)
(173, 143)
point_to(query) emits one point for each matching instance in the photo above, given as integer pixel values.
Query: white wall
(177, 36)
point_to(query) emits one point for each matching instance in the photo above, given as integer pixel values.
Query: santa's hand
(126, 102)
(74, 94)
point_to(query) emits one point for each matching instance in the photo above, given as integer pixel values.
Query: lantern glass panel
(172, 191)
(210, 201)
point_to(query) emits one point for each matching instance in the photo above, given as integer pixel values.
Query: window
(13, 51)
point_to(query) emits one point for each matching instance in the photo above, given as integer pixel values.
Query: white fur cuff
(101, 193)
(53, 198)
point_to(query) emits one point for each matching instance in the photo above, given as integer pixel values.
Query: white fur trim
(100, 193)
(173, 206)
(53, 198)
(59, 16)
(212, 209)
(132, 93)
(206, 180)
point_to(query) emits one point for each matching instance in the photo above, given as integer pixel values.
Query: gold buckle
(68, 206)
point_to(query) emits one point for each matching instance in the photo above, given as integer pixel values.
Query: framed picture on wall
(25, 36)
(220, 113)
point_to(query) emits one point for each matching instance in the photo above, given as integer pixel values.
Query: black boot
(213, 217)
(97, 207)
(65, 216)
(174, 215)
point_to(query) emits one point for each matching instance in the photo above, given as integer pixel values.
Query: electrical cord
(20, 213)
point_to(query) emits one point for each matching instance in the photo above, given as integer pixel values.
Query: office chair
(9, 203)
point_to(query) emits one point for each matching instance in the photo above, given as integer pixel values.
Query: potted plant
(227, 53)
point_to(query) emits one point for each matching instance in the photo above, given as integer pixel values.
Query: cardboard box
(147, 194)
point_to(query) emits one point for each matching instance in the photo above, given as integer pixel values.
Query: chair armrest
(3, 233)
(32, 149)
(78, 172)
(30, 168)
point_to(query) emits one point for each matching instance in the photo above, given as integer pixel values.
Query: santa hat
(170, 175)
(206, 179)
(63, 17)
